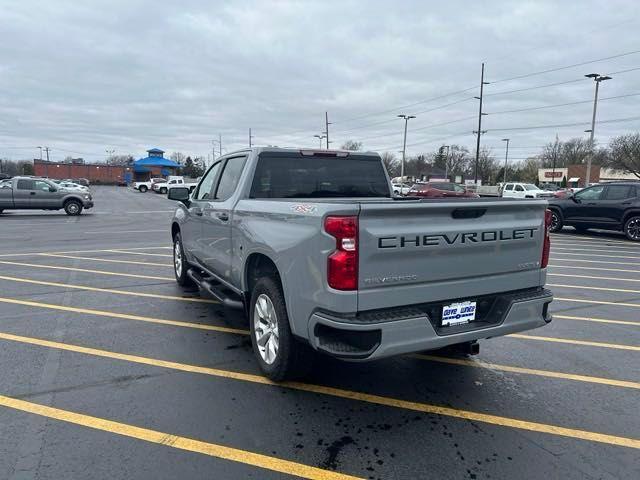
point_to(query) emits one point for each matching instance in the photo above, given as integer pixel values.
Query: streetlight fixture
(506, 158)
(597, 78)
(320, 138)
(404, 143)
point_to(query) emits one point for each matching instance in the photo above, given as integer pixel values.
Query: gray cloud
(128, 75)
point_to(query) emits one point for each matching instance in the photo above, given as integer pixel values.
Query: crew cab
(147, 185)
(610, 206)
(524, 190)
(33, 193)
(173, 181)
(319, 253)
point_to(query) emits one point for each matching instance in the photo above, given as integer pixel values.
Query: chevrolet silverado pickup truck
(32, 193)
(321, 255)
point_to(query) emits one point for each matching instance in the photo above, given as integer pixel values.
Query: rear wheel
(73, 207)
(280, 355)
(180, 265)
(556, 221)
(632, 228)
(163, 190)
(143, 188)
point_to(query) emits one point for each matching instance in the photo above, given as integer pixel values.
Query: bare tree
(487, 167)
(529, 169)
(351, 145)
(391, 163)
(625, 154)
(120, 159)
(178, 157)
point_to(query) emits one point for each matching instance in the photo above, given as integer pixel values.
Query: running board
(216, 290)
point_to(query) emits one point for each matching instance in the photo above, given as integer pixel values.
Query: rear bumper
(382, 333)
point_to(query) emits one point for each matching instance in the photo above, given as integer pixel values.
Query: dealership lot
(110, 370)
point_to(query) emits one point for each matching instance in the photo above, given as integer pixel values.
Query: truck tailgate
(430, 251)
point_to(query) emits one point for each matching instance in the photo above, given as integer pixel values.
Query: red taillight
(546, 247)
(342, 264)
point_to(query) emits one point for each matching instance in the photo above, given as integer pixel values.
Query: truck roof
(299, 149)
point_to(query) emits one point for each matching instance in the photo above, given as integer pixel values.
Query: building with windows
(575, 175)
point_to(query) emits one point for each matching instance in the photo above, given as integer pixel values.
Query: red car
(440, 190)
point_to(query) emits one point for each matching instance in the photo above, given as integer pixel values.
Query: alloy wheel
(177, 258)
(265, 326)
(633, 229)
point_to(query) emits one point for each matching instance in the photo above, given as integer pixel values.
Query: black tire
(163, 190)
(396, 192)
(293, 359)
(143, 188)
(556, 221)
(73, 208)
(632, 228)
(180, 273)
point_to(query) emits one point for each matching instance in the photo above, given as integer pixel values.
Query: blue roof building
(154, 164)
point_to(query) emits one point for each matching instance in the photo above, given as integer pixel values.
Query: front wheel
(143, 188)
(556, 222)
(163, 190)
(73, 207)
(280, 355)
(180, 265)
(632, 228)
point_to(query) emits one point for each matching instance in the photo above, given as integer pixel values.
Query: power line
(433, 125)
(561, 104)
(566, 67)
(534, 87)
(560, 125)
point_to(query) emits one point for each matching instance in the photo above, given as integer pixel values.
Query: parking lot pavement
(112, 371)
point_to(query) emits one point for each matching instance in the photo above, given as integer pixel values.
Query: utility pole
(40, 153)
(404, 144)
(320, 137)
(109, 154)
(220, 142)
(480, 114)
(326, 132)
(46, 149)
(446, 163)
(250, 137)
(555, 155)
(506, 158)
(596, 78)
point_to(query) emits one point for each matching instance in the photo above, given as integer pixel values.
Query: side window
(25, 185)
(509, 186)
(5, 184)
(519, 188)
(618, 192)
(592, 193)
(205, 188)
(42, 186)
(229, 178)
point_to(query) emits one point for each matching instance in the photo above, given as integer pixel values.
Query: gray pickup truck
(321, 256)
(32, 193)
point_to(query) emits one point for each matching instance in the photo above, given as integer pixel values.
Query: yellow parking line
(109, 290)
(145, 254)
(589, 254)
(597, 302)
(610, 248)
(124, 316)
(150, 247)
(85, 270)
(615, 279)
(595, 268)
(108, 260)
(528, 371)
(596, 320)
(584, 287)
(576, 342)
(591, 240)
(340, 393)
(175, 441)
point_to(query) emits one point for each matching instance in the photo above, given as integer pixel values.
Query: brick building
(575, 175)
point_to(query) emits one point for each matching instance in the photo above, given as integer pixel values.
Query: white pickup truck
(524, 190)
(164, 186)
(144, 186)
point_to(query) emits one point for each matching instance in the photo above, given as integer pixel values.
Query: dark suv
(611, 206)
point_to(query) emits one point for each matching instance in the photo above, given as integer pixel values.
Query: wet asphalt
(577, 384)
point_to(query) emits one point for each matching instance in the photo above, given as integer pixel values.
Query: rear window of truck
(292, 175)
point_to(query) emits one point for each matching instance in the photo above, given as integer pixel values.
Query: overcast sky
(85, 77)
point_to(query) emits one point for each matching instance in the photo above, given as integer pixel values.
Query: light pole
(109, 154)
(40, 153)
(404, 144)
(506, 158)
(446, 162)
(320, 137)
(596, 78)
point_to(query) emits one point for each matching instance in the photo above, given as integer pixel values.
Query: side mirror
(53, 189)
(180, 194)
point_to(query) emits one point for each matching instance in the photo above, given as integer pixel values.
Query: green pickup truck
(33, 193)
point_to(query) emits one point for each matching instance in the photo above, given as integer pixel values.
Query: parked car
(441, 189)
(73, 187)
(146, 185)
(611, 206)
(35, 193)
(401, 188)
(316, 249)
(524, 190)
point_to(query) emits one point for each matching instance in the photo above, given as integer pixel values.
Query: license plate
(458, 313)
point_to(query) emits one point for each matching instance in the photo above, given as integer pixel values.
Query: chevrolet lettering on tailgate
(457, 238)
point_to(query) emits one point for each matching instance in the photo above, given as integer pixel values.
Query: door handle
(223, 216)
(32, 193)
